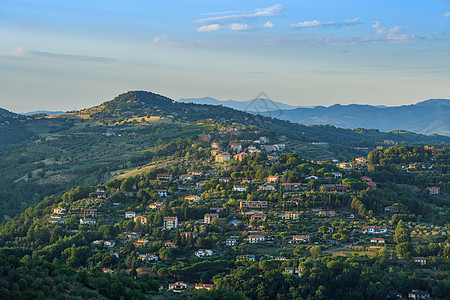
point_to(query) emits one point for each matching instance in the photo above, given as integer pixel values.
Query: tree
(403, 240)
(315, 251)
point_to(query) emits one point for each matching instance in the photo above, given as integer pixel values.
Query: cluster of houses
(236, 150)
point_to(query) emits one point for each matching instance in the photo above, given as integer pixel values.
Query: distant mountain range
(49, 113)
(256, 105)
(427, 117)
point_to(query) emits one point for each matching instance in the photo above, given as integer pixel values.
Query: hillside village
(248, 203)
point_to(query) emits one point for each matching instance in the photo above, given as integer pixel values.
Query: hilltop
(42, 155)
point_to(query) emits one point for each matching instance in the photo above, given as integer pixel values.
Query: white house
(162, 193)
(203, 252)
(207, 218)
(178, 286)
(130, 214)
(148, 257)
(374, 229)
(231, 242)
(87, 221)
(239, 188)
(255, 238)
(170, 222)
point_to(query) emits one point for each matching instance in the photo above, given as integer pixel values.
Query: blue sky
(61, 55)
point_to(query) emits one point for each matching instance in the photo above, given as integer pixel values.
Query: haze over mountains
(254, 105)
(426, 117)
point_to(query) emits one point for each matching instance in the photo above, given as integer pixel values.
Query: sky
(65, 55)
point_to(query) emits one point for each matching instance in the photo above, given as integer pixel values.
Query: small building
(207, 218)
(361, 160)
(222, 157)
(215, 145)
(231, 242)
(189, 235)
(378, 241)
(87, 221)
(347, 166)
(266, 188)
(239, 188)
(101, 194)
(253, 204)
(256, 238)
(178, 286)
(170, 244)
(162, 193)
(324, 213)
(273, 179)
(224, 179)
(56, 219)
(156, 205)
(374, 230)
(164, 176)
(240, 156)
(140, 219)
(252, 150)
(203, 252)
(214, 152)
(250, 257)
(170, 222)
(186, 177)
(140, 242)
(130, 214)
(420, 260)
(293, 186)
(434, 190)
(300, 238)
(147, 257)
(418, 294)
(89, 212)
(59, 210)
(290, 215)
(192, 198)
(128, 235)
(236, 147)
(293, 271)
(258, 217)
(109, 244)
(196, 173)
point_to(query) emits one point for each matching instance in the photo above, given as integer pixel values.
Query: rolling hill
(427, 117)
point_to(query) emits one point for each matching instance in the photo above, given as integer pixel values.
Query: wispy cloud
(208, 28)
(217, 27)
(269, 25)
(384, 35)
(315, 23)
(28, 53)
(447, 14)
(238, 26)
(392, 33)
(166, 40)
(233, 17)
